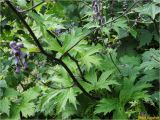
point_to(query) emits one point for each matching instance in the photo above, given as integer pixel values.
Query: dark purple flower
(25, 65)
(16, 52)
(12, 44)
(17, 69)
(16, 61)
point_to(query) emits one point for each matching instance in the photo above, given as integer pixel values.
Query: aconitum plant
(20, 57)
(96, 5)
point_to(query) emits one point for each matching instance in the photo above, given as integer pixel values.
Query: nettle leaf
(106, 105)
(5, 106)
(10, 93)
(145, 37)
(149, 9)
(151, 59)
(27, 109)
(129, 65)
(121, 28)
(130, 60)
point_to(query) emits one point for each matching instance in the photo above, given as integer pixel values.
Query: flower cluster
(20, 57)
(125, 5)
(96, 5)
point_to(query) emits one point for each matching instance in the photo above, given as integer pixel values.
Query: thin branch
(114, 63)
(78, 66)
(123, 14)
(104, 24)
(65, 53)
(33, 7)
(72, 58)
(58, 88)
(49, 56)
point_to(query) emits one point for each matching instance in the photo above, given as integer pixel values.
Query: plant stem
(49, 56)
(114, 63)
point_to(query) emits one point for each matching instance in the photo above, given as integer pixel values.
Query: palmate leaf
(25, 105)
(31, 94)
(133, 91)
(47, 102)
(89, 56)
(77, 34)
(106, 105)
(66, 96)
(27, 109)
(52, 43)
(57, 99)
(69, 110)
(5, 106)
(102, 82)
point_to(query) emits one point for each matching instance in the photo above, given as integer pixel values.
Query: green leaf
(27, 109)
(65, 96)
(3, 84)
(151, 59)
(89, 57)
(133, 32)
(119, 113)
(106, 105)
(10, 92)
(156, 1)
(21, 2)
(30, 47)
(71, 39)
(130, 60)
(31, 94)
(5, 106)
(145, 37)
(149, 9)
(150, 75)
(52, 42)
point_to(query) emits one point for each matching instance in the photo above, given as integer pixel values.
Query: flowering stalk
(20, 57)
(97, 7)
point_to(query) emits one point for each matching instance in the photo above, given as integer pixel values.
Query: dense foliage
(79, 59)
